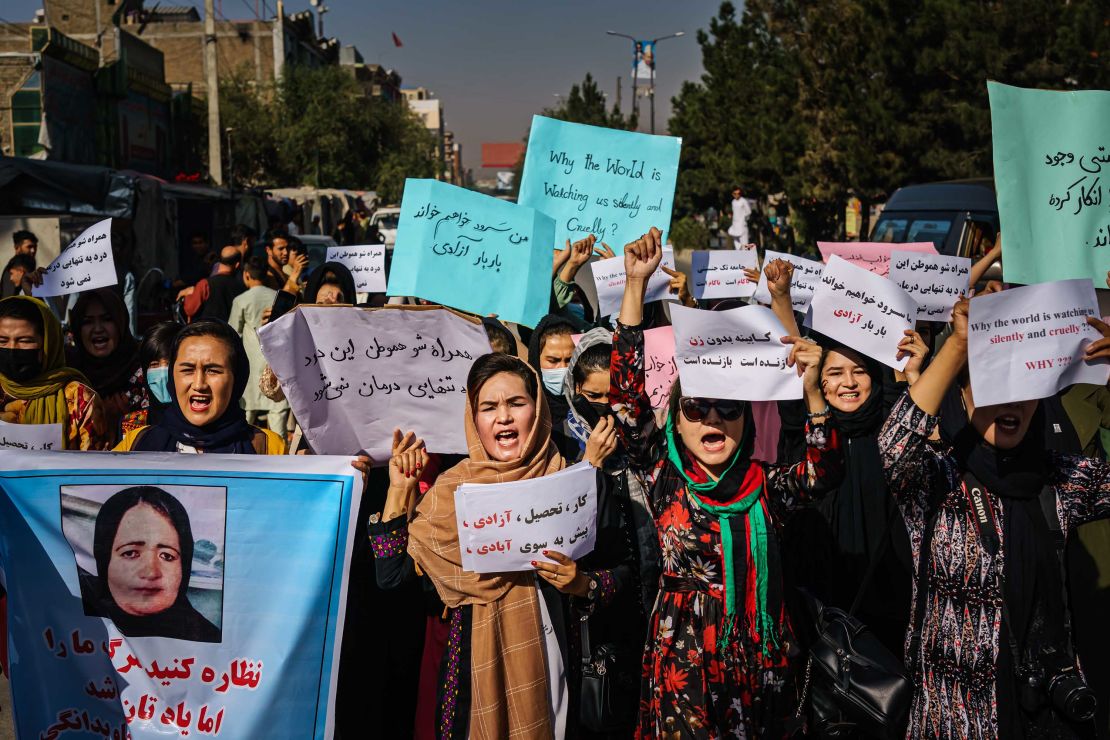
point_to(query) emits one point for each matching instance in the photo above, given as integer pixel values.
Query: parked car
(959, 217)
(386, 220)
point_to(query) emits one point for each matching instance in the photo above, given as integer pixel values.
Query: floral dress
(85, 427)
(696, 681)
(956, 679)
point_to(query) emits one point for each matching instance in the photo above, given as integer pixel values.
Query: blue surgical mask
(553, 379)
(158, 380)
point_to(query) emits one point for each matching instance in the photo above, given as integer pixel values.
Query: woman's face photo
(203, 378)
(99, 333)
(144, 573)
(844, 380)
(504, 416)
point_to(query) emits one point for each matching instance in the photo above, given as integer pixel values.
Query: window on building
(27, 117)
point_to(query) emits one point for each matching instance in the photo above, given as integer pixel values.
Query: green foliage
(317, 127)
(688, 233)
(824, 99)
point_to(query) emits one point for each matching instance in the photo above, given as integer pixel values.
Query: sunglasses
(696, 409)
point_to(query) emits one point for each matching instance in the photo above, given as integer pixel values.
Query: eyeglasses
(696, 409)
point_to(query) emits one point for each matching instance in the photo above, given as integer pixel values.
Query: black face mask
(20, 365)
(591, 412)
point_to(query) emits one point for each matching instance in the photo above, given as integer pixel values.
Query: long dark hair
(486, 366)
(112, 513)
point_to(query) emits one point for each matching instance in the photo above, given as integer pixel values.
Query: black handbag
(856, 687)
(610, 699)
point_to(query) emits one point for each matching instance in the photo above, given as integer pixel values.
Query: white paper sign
(609, 281)
(1027, 343)
(806, 275)
(352, 375)
(30, 436)
(366, 263)
(733, 354)
(864, 311)
(85, 264)
(935, 281)
(505, 526)
(719, 273)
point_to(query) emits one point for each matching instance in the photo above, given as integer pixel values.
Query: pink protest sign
(871, 256)
(659, 365)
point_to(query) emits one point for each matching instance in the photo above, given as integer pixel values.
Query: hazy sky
(494, 63)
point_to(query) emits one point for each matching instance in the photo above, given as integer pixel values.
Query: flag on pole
(397, 41)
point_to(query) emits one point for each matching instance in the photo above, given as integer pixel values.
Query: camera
(1064, 689)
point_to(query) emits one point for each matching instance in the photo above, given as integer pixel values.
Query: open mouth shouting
(200, 403)
(507, 439)
(713, 442)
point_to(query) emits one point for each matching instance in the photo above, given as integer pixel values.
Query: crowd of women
(941, 527)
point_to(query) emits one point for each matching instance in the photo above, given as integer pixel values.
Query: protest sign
(733, 354)
(719, 273)
(871, 256)
(609, 282)
(505, 526)
(84, 265)
(367, 265)
(807, 273)
(1050, 153)
(469, 251)
(934, 281)
(1028, 342)
(240, 641)
(864, 311)
(31, 436)
(353, 375)
(613, 184)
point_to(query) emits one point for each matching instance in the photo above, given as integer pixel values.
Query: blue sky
(495, 63)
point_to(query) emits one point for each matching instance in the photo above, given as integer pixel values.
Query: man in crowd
(211, 298)
(196, 263)
(277, 257)
(741, 211)
(247, 313)
(25, 242)
(242, 238)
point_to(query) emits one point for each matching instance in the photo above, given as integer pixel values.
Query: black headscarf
(113, 373)
(230, 433)
(341, 275)
(181, 620)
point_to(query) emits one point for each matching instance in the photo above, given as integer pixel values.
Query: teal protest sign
(1051, 151)
(472, 252)
(613, 184)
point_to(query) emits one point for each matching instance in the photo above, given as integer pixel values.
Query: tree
(316, 126)
(828, 98)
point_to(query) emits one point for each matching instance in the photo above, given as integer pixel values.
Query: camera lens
(1073, 698)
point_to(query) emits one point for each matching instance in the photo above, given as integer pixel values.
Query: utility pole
(212, 82)
(651, 90)
(619, 95)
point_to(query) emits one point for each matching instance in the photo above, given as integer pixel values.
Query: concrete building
(430, 110)
(376, 81)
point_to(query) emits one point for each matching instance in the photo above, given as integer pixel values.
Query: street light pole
(654, 43)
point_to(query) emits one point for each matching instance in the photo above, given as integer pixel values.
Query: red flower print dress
(696, 681)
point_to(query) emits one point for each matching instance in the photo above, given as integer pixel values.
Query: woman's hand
(602, 442)
(1100, 348)
(559, 259)
(562, 574)
(959, 320)
(362, 464)
(806, 357)
(680, 287)
(642, 257)
(407, 460)
(32, 280)
(579, 254)
(914, 347)
(752, 274)
(779, 274)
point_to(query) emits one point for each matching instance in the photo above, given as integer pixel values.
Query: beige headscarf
(508, 672)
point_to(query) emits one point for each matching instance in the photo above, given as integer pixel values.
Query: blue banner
(613, 184)
(165, 594)
(472, 252)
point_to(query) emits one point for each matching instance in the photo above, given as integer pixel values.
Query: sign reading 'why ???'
(472, 252)
(613, 184)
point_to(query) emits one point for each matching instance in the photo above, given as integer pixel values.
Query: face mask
(20, 365)
(553, 379)
(591, 411)
(158, 379)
